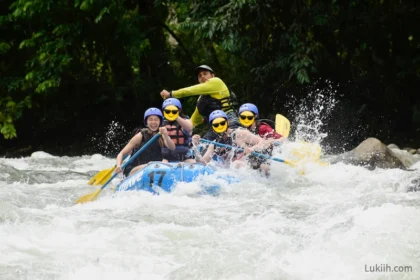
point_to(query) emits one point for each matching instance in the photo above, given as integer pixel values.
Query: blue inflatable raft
(157, 176)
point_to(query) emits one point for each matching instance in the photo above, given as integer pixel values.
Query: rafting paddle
(92, 196)
(305, 151)
(253, 153)
(282, 125)
(102, 176)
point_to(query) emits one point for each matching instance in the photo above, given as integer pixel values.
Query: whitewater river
(335, 222)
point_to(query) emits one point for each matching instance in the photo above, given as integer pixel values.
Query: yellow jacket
(214, 87)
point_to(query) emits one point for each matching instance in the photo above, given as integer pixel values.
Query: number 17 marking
(152, 177)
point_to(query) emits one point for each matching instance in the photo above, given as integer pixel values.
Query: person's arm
(206, 158)
(267, 131)
(196, 118)
(133, 143)
(245, 138)
(261, 146)
(186, 124)
(167, 141)
(212, 86)
(195, 141)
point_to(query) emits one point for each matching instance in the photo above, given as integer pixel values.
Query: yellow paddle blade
(101, 177)
(89, 197)
(282, 125)
(291, 163)
(307, 151)
(98, 175)
(92, 180)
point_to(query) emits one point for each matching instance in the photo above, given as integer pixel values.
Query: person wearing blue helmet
(179, 128)
(240, 138)
(249, 118)
(153, 119)
(213, 95)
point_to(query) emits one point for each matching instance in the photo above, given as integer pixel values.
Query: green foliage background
(68, 68)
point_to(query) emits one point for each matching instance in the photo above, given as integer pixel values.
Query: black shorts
(178, 157)
(181, 154)
(255, 162)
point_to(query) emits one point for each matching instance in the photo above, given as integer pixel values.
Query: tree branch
(178, 40)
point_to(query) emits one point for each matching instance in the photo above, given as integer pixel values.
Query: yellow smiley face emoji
(246, 118)
(219, 125)
(171, 112)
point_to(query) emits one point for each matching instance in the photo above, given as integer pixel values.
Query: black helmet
(203, 67)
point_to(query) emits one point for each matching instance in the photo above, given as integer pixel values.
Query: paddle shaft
(240, 149)
(132, 158)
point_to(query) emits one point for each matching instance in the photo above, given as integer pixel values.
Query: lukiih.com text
(388, 268)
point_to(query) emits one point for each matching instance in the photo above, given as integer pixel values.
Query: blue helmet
(249, 107)
(172, 101)
(217, 114)
(153, 112)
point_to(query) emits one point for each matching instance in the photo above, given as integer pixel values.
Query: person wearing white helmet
(213, 95)
(152, 120)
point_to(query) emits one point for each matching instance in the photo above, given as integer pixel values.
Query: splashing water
(323, 117)
(313, 113)
(112, 141)
(309, 118)
(329, 224)
(333, 222)
(310, 115)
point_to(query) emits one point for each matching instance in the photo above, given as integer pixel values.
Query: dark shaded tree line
(68, 68)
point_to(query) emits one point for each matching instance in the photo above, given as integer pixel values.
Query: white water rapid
(334, 222)
(331, 222)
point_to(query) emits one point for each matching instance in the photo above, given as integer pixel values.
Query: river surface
(331, 222)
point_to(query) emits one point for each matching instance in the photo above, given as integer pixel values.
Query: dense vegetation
(70, 68)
